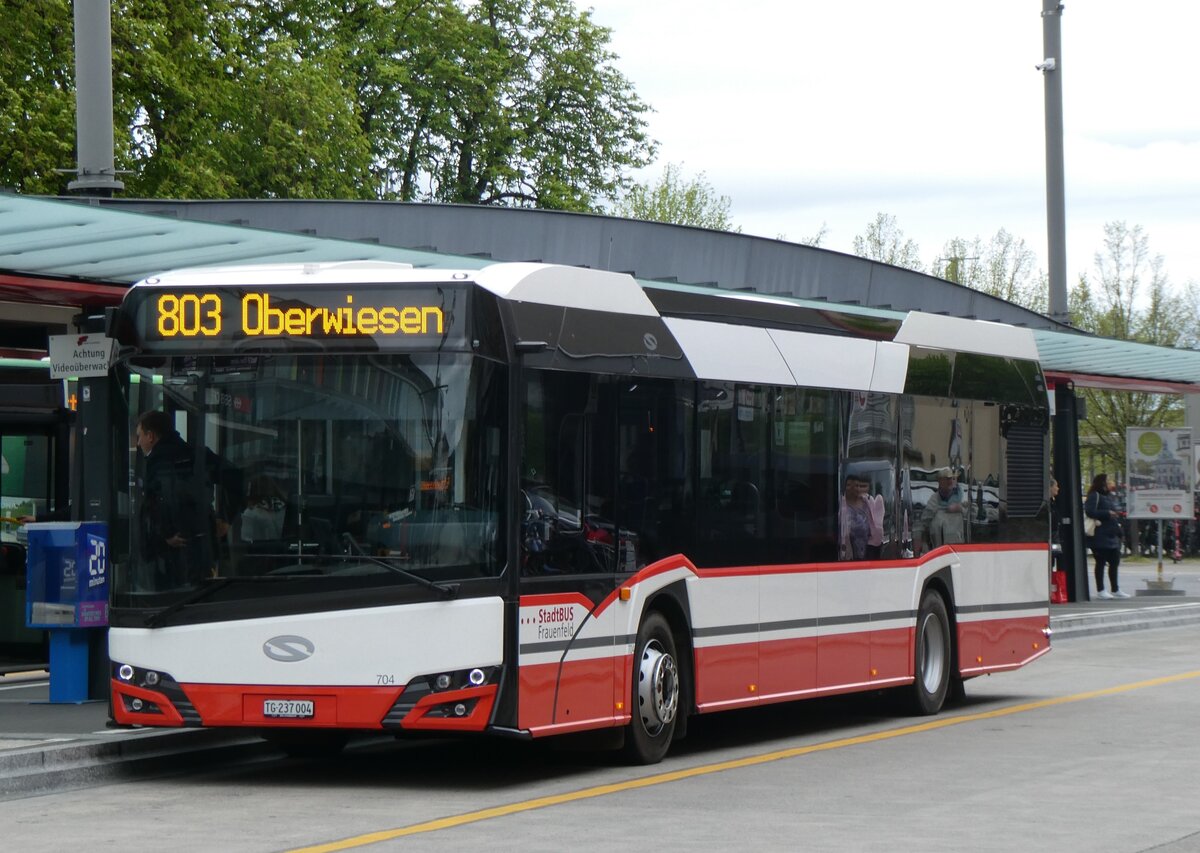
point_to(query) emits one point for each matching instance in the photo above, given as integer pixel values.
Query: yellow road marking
(721, 766)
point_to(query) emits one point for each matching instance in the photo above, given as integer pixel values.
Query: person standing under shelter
(943, 519)
(1107, 538)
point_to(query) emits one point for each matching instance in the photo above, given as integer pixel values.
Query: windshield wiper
(447, 590)
(156, 619)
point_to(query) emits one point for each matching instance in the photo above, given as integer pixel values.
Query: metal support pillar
(94, 475)
(1070, 503)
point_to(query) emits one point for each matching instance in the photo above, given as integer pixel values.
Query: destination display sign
(374, 317)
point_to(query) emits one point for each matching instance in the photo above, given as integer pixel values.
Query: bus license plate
(293, 708)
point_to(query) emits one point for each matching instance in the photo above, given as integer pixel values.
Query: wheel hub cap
(658, 688)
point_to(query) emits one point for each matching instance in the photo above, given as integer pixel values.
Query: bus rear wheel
(655, 692)
(931, 656)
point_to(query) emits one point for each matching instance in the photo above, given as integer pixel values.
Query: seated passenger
(265, 507)
(943, 520)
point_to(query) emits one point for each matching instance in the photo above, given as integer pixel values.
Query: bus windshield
(335, 472)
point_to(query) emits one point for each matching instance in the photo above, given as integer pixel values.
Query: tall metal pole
(1056, 217)
(96, 173)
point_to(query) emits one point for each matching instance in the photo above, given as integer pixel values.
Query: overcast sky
(810, 113)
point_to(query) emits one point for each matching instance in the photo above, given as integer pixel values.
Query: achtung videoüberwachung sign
(74, 356)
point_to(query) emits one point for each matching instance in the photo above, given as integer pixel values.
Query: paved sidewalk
(1146, 608)
(46, 747)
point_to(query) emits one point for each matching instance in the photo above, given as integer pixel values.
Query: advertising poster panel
(1159, 466)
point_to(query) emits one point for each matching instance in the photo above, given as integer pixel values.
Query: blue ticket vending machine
(67, 593)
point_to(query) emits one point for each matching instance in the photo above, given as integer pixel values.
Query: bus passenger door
(567, 655)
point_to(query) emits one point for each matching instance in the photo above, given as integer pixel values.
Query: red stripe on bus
(861, 565)
(678, 561)
(591, 692)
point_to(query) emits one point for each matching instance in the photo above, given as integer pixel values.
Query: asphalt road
(1095, 747)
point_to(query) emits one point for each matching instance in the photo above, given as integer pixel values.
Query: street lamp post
(95, 174)
(1051, 68)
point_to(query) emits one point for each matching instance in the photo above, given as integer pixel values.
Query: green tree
(1132, 300)
(37, 95)
(884, 241)
(479, 101)
(298, 137)
(677, 199)
(219, 103)
(536, 113)
(1002, 267)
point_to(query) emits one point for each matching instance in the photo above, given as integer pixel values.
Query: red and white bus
(530, 500)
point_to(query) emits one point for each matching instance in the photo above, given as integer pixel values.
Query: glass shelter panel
(26, 479)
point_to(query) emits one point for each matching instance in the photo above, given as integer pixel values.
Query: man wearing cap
(943, 520)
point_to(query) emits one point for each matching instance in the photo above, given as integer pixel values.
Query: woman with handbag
(1106, 538)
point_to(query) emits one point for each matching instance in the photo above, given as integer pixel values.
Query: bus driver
(173, 530)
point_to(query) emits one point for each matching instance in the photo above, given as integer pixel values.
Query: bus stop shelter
(63, 261)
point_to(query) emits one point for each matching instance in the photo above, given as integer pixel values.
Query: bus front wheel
(655, 692)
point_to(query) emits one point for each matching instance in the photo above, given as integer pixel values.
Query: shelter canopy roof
(86, 254)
